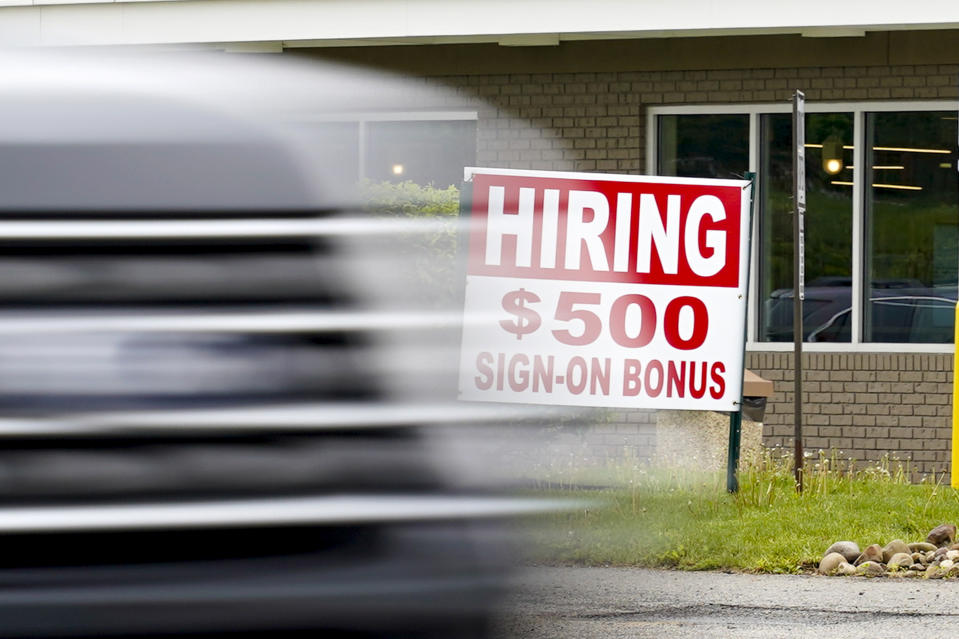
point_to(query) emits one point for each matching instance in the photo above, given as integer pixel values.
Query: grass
(685, 519)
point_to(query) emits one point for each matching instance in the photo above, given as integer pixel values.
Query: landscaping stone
(870, 569)
(831, 562)
(942, 535)
(894, 547)
(848, 549)
(935, 558)
(871, 553)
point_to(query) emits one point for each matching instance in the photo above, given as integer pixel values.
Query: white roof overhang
(291, 23)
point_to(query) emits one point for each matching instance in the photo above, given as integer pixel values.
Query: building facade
(690, 89)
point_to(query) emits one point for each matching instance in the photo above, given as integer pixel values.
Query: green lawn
(686, 520)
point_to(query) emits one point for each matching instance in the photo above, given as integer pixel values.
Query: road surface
(587, 603)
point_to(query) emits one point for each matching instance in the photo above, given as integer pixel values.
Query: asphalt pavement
(587, 603)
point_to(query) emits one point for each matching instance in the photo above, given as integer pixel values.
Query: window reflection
(828, 237)
(706, 146)
(911, 226)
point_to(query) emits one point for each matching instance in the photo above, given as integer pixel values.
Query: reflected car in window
(900, 312)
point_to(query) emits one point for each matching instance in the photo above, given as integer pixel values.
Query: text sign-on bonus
(605, 290)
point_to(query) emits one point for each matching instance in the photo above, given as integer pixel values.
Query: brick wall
(864, 404)
(597, 121)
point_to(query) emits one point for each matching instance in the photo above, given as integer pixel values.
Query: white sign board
(605, 290)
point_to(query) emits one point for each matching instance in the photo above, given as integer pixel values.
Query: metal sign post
(799, 293)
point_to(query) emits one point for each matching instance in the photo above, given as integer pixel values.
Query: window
(425, 152)
(709, 146)
(911, 219)
(422, 147)
(882, 220)
(828, 226)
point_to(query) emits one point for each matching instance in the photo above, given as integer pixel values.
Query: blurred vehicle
(203, 431)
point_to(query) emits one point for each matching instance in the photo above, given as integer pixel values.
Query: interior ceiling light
(902, 149)
(909, 149)
(832, 155)
(898, 187)
(810, 145)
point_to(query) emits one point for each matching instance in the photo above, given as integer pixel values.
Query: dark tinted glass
(709, 146)
(828, 227)
(911, 226)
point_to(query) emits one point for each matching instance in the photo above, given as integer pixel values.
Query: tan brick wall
(597, 121)
(864, 404)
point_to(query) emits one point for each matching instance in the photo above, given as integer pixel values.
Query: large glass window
(828, 250)
(424, 151)
(432, 151)
(882, 219)
(709, 146)
(911, 226)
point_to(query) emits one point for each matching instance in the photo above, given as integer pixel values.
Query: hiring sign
(605, 290)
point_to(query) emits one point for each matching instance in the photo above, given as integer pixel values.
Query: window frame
(755, 111)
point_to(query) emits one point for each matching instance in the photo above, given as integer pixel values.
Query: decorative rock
(900, 559)
(894, 547)
(831, 562)
(870, 569)
(848, 549)
(935, 558)
(942, 535)
(871, 553)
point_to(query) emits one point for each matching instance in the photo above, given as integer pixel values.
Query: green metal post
(732, 463)
(736, 418)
